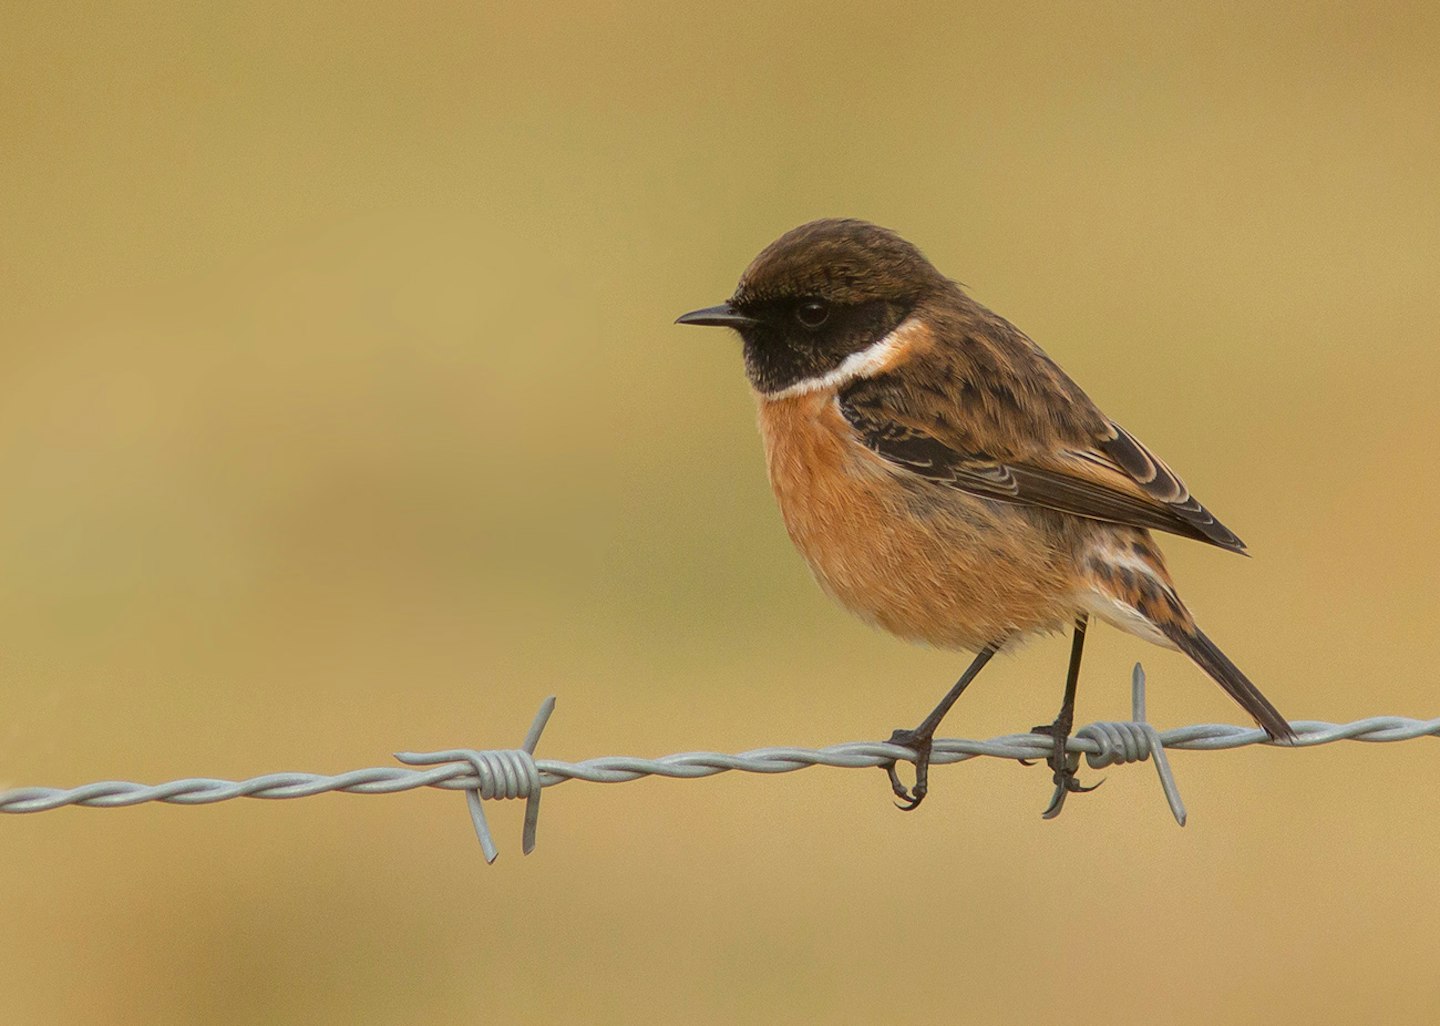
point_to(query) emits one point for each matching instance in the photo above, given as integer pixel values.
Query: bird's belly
(925, 562)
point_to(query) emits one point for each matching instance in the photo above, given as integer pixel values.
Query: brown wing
(1011, 426)
(1161, 483)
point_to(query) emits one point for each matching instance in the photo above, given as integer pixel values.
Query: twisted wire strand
(515, 772)
(460, 775)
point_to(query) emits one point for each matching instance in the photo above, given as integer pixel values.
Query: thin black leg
(920, 738)
(1061, 764)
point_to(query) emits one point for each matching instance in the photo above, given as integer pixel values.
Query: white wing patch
(1100, 601)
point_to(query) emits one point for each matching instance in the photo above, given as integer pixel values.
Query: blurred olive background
(341, 412)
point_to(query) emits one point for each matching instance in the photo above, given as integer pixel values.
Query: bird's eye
(812, 313)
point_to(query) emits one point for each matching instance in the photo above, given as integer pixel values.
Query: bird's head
(818, 294)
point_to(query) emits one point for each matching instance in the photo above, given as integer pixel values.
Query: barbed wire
(497, 774)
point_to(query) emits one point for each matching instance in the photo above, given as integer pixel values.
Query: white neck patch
(871, 360)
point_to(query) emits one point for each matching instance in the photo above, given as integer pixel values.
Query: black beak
(722, 316)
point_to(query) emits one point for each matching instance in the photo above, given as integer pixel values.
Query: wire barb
(499, 773)
(1134, 741)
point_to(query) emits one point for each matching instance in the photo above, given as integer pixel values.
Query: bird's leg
(920, 738)
(1061, 763)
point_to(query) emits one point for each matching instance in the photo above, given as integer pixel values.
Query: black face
(819, 293)
(790, 340)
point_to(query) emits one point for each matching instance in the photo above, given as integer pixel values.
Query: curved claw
(1065, 785)
(910, 799)
(1057, 802)
(901, 791)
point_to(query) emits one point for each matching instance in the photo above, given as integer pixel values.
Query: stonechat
(947, 481)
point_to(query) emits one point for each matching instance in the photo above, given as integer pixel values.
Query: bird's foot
(919, 743)
(1063, 765)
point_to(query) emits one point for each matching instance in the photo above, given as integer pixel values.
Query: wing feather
(1115, 478)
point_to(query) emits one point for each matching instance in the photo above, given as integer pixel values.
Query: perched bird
(946, 481)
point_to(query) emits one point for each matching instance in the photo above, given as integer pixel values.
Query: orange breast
(924, 561)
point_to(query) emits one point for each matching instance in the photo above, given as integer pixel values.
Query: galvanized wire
(516, 773)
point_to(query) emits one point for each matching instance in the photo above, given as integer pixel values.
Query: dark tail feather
(1217, 664)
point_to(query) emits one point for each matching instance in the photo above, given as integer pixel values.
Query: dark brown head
(818, 294)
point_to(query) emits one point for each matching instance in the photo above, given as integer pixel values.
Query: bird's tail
(1217, 664)
(1132, 589)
